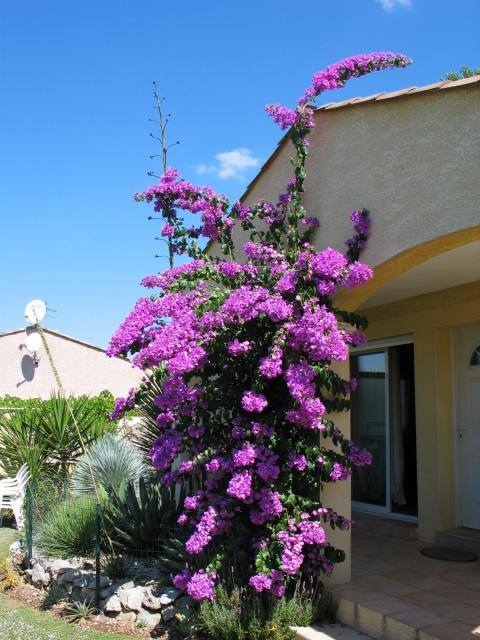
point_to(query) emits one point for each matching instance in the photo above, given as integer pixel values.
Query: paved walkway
(329, 632)
(396, 592)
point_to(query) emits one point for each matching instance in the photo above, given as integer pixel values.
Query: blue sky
(75, 98)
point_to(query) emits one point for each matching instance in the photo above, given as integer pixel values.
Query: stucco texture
(412, 161)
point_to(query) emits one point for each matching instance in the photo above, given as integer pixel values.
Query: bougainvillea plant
(249, 392)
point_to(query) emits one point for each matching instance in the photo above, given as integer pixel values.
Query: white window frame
(375, 346)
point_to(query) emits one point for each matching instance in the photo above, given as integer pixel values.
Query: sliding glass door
(383, 421)
(369, 428)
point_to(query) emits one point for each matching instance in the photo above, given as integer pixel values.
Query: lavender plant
(248, 350)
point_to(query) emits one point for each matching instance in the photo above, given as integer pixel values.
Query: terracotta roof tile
(436, 86)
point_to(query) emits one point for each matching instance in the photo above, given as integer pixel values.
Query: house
(412, 158)
(83, 367)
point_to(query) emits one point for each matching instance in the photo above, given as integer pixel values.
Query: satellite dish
(35, 311)
(33, 342)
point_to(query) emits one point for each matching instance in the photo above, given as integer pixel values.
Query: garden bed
(135, 604)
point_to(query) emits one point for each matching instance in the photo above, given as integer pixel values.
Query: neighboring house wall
(83, 368)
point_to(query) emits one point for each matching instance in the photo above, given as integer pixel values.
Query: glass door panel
(369, 428)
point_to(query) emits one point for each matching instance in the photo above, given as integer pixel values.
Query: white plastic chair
(12, 494)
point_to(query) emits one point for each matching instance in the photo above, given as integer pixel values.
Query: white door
(467, 356)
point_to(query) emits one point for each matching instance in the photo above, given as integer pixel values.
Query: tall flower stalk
(249, 352)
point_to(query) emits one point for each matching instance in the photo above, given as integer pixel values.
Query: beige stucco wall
(412, 161)
(83, 369)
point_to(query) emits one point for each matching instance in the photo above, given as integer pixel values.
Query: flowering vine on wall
(249, 390)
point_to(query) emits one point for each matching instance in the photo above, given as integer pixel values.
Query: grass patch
(18, 622)
(7, 536)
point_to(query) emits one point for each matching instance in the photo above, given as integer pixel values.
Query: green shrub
(110, 462)
(69, 529)
(243, 614)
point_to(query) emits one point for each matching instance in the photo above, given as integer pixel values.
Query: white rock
(39, 576)
(128, 616)
(169, 595)
(113, 604)
(80, 582)
(123, 585)
(15, 548)
(104, 580)
(58, 567)
(148, 619)
(106, 593)
(132, 599)
(152, 599)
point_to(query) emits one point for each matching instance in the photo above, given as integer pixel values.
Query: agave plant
(109, 462)
(141, 520)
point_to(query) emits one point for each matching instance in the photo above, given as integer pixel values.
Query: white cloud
(390, 5)
(231, 164)
(205, 168)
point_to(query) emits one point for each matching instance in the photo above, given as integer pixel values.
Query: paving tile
(457, 593)
(389, 604)
(449, 631)
(455, 610)
(424, 599)
(359, 594)
(472, 599)
(328, 632)
(418, 618)
(381, 583)
(405, 575)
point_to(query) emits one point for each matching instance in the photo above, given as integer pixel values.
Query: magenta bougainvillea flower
(243, 355)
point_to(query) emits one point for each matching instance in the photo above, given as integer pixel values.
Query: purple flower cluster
(333, 77)
(122, 405)
(244, 355)
(254, 402)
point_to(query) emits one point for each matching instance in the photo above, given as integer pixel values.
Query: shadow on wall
(28, 370)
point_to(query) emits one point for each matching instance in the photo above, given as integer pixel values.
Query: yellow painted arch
(386, 272)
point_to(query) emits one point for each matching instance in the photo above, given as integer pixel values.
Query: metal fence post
(97, 557)
(30, 520)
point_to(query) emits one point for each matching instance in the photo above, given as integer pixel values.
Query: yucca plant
(140, 519)
(23, 442)
(109, 462)
(69, 428)
(45, 436)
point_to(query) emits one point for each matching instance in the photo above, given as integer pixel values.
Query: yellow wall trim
(392, 268)
(409, 306)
